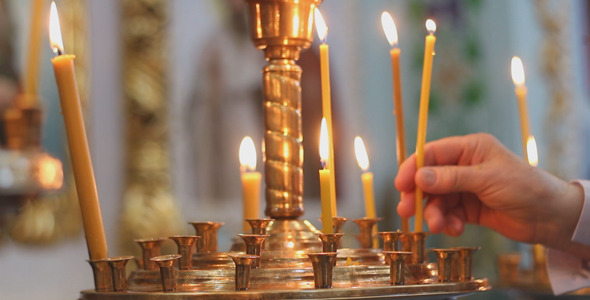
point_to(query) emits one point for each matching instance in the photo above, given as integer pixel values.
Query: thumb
(449, 179)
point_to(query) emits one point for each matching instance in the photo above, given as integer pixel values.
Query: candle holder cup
(167, 273)
(366, 226)
(103, 278)
(119, 273)
(203, 229)
(418, 248)
(337, 223)
(462, 269)
(243, 264)
(397, 266)
(150, 248)
(323, 267)
(445, 263)
(185, 245)
(253, 245)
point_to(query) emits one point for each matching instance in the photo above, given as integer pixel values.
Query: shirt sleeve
(582, 232)
(567, 272)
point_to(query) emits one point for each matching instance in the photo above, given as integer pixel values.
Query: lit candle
(63, 66)
(423, 116)
(391, 34)
(322, 31)
(32, 64)
(533, 159)
(250, 181)
(326, 189)
(521, 94)
(367, 179)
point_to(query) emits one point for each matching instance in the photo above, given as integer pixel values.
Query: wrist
(563, 217)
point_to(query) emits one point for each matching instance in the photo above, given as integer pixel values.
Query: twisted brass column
(282, 28)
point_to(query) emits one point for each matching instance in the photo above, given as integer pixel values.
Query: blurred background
(170, 88)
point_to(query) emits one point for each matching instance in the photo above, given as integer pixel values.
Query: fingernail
(428, 177)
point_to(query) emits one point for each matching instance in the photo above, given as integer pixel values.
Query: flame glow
(50, 172)
(517, 71)
(389, 28)
(430, 26)
(55, 39)
(531, 150)
(324, 143)
(320, 25)
(247, 154)
(361, 153)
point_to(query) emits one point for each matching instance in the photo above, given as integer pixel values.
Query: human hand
(475, 179)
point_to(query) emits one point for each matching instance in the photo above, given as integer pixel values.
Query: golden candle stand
(285, 256)
(25, 169)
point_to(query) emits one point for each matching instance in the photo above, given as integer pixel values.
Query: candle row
(65, 76)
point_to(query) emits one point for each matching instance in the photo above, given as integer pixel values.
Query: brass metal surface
(339, 291)
(282, 29)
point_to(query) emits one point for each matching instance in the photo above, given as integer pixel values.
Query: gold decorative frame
(149, 208)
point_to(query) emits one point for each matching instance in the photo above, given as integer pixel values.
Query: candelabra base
(306, 290)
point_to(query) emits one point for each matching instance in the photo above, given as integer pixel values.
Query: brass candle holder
(243, 265)
(119, 274)
(293, 264)
(149, 248)
(103, 278)
(366, 226)
(167, 274)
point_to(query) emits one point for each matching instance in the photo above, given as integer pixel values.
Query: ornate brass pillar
(282, 28)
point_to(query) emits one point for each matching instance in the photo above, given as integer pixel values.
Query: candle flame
(247, 154)
(531, 150)
(389, 28)
(430, 26)
(55, 39)
(361, 153)
(517, 71)
(324, 143)
(320, 25)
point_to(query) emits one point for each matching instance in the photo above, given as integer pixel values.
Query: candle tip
(361, 153)
(517, 71)
(247, 154)
(389, 28)
(531, 149)
(320, 25)
(55, 30)
(430, 26)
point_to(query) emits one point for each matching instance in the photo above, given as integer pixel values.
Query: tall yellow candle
(423, 117)
(391, 33)
(63, 66)
(521, 95)
(325, 179)
(322, 30)
(32, 62)
(250, 181)
(367, 179)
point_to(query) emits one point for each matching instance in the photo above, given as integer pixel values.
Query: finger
(407, 205)
(458, 150)
(434, 214)
(454, 225)
(404, 181)
(452, 179)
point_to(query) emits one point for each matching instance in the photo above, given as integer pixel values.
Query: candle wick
(57, 51)
(324, 163)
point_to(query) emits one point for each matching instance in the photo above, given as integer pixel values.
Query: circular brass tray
(379, 291)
